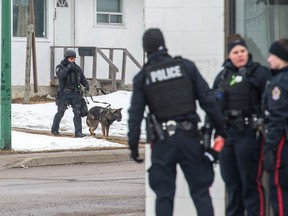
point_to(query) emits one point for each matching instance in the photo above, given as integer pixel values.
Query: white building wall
(195, 30)
(87, 33)
(128, 36)
(18, 51)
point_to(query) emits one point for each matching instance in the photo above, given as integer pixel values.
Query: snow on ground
(40, 117)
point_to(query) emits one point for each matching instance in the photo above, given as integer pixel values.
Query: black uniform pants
(279, 181)
(185, 150)
(66, 99)
(241, 166)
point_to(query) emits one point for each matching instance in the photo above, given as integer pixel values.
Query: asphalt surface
(99, 189)
(25, 160)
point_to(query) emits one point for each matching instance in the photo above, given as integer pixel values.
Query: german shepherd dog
(106, 116)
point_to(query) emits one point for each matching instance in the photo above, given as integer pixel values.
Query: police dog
(106, 116)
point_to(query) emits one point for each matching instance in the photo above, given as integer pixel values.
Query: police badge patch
(276, 93)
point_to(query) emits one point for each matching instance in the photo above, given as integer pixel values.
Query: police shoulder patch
(276, 93)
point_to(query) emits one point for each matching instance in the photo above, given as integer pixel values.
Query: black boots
(56, 133)
(79, 135)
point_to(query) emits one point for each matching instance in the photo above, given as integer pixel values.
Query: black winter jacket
(202, 91)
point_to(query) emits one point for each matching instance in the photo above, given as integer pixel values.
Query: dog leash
(85, 96)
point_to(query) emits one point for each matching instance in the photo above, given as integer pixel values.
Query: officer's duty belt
(238, 120)
(171, 126)
(70, 91)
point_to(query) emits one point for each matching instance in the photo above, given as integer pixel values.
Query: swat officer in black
(276, 110)
(70, 76)
(170, 88)
(239, 87)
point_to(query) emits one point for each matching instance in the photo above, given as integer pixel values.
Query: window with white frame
(109, 12)
(21, 17)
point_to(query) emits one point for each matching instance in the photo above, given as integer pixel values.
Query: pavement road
(101, 189)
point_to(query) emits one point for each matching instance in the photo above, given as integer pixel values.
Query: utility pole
(5, 106)
(32, 21)
(30, 29)
(31, 46)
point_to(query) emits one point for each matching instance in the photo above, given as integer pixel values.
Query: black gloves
(269, 161)
(211, 155)
(135, 155)
(71, 65)
(221, 133)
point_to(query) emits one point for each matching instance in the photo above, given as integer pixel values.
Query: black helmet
(70, 53)
(153, 40)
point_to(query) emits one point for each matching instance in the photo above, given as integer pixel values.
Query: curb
(67, 158)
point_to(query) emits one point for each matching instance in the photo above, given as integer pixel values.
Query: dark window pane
(40, 18)
(102, 18)
(62, 3)
(115, 19)
(109, 5)
(21, 17)
(272, 2)
(261, 24)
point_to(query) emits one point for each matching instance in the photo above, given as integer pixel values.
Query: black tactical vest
(72, 80)
(237, 90)
(169, 91)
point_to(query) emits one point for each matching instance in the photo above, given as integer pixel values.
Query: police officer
(276, 145)
(70, 76)
(170, 87)
(239, 87)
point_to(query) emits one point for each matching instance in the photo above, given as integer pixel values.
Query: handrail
(132, 58)
(107, 59)
(113, 69)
